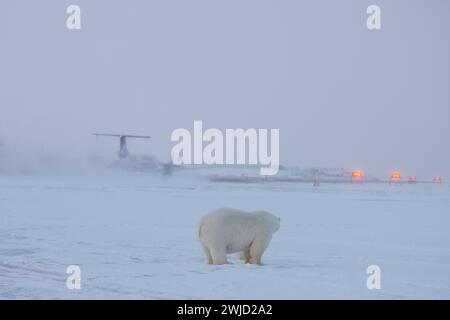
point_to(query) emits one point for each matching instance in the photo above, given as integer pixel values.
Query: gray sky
(340, 94)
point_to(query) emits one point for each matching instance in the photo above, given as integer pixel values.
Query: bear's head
(277, 224)
(273, 220)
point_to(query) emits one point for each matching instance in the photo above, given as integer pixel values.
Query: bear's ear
(279, 219)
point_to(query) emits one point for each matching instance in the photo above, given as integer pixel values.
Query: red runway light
(412, 178)
(437, 179)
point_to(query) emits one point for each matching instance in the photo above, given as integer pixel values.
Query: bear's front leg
(258, 247)
(246, 255)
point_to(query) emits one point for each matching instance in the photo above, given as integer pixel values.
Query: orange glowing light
(396, 176)
(357, 174)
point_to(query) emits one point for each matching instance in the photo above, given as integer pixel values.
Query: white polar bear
(230, 230)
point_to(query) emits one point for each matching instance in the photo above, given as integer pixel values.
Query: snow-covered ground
(134, 235)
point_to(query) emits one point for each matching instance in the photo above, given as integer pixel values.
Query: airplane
(123, 150)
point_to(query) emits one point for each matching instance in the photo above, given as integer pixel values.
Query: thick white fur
(230, 230)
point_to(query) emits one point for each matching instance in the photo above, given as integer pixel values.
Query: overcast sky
(341, 95)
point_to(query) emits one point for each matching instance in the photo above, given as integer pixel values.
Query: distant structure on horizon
(123, 150)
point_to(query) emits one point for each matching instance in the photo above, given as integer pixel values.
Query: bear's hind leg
(219, 255)
(208, 256)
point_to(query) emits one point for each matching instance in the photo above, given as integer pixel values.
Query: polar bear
(229, 230)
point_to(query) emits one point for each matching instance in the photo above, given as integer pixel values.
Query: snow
(134, 235)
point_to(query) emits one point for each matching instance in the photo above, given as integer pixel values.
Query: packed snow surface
(134, 235)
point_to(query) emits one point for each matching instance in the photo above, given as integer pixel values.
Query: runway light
(357, 174)
(437, 179)
(412, 178)
(396, 176)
